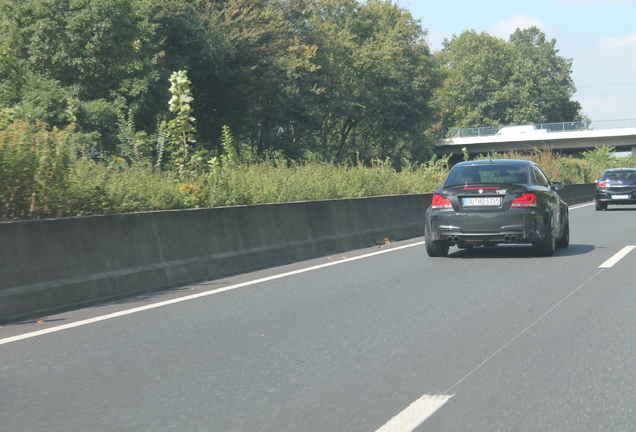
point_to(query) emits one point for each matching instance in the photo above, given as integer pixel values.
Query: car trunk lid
(483, 197)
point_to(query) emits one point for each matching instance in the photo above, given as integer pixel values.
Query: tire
(564, 241)
(435, 248)
(601, 206)
(545, 247)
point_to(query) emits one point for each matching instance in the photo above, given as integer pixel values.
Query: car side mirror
(558, 186)
(596, 181)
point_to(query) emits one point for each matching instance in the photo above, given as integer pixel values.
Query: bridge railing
(550, 127)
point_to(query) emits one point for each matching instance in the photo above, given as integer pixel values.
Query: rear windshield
(487, 174)
(619, 175)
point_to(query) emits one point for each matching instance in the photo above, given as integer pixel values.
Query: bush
(35, 162)
(44, 173)
(97, 188)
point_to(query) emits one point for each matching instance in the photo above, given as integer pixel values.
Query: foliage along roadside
(43, 174)
(366, 144)
(347, 80)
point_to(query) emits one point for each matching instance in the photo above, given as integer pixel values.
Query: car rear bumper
(610, 197)
(514, 226)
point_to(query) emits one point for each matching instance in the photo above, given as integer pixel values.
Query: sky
(598, 35)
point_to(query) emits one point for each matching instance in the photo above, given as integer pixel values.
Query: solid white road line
(578, 206)
(617, 257)
(196, 296)
(415, 414)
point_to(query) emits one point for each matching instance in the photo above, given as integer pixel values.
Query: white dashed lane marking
(617, 257)
(415, 414)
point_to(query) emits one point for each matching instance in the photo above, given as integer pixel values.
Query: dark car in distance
(616, 186)
(492, 202)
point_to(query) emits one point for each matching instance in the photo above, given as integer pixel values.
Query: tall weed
(96, 188)
(43, 174)
(34, 169)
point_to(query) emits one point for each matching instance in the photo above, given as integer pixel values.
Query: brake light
(601, 184)
(439, 202)
(525, 200)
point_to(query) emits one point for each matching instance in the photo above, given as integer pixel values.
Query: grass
(42, 176)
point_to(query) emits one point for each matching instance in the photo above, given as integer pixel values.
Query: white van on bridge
(519, 130)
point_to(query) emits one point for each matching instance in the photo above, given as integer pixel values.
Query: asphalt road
(382, 339)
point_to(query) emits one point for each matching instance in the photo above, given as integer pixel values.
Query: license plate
(620, 196)
(482, 201)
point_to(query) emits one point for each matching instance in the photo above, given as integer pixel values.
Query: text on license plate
(482, 201)
(620, 196)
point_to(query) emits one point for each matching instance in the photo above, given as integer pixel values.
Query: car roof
(496, 162)
(619, 169)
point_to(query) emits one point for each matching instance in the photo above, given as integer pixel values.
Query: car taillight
(525, 200)
(439, 202)
(601, 184)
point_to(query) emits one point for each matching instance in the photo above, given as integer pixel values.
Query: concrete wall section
(576, 194)
(54, 265)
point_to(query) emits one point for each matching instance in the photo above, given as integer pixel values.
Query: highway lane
(501, 339)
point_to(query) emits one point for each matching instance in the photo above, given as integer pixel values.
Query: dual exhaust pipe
(507, 238)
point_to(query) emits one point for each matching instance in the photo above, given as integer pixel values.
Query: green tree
(79, 59)
(375, 77)
(345, 79)
(189, 37)
(473, 66)
(544, 80)
(336, 77)
(488, 81)
(265, 97)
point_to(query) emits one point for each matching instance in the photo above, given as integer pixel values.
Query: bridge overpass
(566, 138)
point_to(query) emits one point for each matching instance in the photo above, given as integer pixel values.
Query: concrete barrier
(54, 265)
(580, 193)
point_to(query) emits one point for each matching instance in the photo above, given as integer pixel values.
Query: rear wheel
(564, 241)
(435, 248)
(601, 206)
(545, 246)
